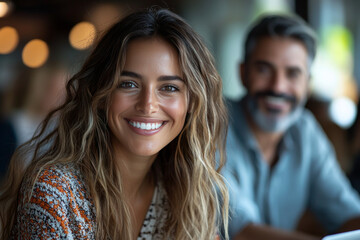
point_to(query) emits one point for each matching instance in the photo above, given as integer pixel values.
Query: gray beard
(270, 123)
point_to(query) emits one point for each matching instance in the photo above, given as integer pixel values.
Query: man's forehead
(286, 52)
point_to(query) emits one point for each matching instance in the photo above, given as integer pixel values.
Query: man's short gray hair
(281, 26)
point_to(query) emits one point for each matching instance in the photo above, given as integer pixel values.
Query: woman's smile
(146, 127)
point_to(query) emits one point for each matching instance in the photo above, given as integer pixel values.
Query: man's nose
(148, 101)
(279, 82)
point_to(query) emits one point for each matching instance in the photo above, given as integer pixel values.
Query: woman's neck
(138, 184)
(136, 175)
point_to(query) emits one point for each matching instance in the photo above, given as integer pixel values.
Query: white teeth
(275, 99)
(145, 126)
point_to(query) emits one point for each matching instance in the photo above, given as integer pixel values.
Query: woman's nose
(148, 102)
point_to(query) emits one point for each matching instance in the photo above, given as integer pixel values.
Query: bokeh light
(4, 9)
(35, 53)
(82, 35)
(338, 42)
(9, 39)
(343, 111)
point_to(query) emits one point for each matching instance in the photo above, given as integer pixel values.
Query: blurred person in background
(133, 152)
(279, 161)
(33, 94)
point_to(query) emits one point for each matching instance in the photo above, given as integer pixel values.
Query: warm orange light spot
(82, 35)
(4, 9)
(35, 53)
(9, 39)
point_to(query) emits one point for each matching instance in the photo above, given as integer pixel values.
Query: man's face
(276, 77)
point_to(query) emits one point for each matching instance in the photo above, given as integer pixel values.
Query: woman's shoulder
(59, 176)
(61, 173)
(56, 202)
(61, 182)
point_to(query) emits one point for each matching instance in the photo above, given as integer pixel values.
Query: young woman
(133, 155)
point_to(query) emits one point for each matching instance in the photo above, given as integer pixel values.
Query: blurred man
(280, 162)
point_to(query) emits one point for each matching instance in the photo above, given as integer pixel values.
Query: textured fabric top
(60, 207)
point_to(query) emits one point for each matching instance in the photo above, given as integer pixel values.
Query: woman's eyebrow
(170, 77)
(161, 78)
(131, 74)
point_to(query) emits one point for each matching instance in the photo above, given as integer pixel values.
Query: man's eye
(127, 84)
(293, 74)
(169, 88)
(263, 69)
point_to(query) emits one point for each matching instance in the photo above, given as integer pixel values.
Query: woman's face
(149, 107)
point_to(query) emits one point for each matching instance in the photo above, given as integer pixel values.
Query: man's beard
(272, 122)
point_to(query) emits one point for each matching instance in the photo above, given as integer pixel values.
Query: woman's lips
(149, 127)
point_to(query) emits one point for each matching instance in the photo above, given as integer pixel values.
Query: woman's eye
(169, 88)
(127, 84)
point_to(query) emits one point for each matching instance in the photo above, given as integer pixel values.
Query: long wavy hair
(190, 172)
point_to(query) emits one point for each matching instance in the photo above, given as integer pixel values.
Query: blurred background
(42, 43)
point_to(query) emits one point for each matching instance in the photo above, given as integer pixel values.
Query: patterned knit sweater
(60, 207)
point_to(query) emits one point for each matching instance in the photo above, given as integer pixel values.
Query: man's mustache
(270, 93)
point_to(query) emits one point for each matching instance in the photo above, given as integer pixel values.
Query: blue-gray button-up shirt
(306, 176)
